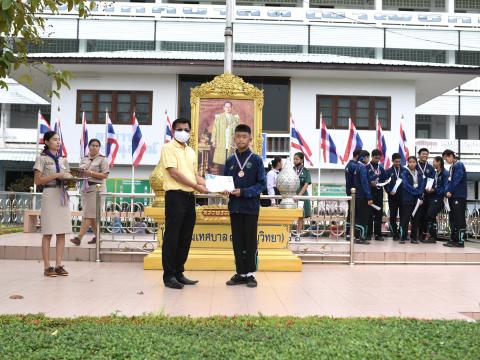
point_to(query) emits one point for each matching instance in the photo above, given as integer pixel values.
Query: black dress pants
(244, 238)
(458, 219)
(393, 209)
(406, 211)
(375, 221)
(435, 205)
(362, 216)
(179, 223)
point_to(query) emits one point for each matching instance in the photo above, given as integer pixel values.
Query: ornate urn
(288, 183)
(156, 183)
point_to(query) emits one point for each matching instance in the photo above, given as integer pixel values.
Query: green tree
(20, 25)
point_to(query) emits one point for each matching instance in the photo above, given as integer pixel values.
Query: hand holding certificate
(397, 184)
(429, 185)
(219, 184)
(419, 202)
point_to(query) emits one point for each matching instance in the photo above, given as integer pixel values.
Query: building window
(191, 46)
(336, 110)
(54, 46)
(268, 48)
(24, 116)
(414, 5)
(431, 56)
(343, 51)
(119, 45)
(343, 4)
(467, 57)
(470, 6)
(119, 104)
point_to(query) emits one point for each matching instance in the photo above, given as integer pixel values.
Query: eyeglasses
(186, 130)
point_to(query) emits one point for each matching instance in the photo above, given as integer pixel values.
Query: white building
(341, 58)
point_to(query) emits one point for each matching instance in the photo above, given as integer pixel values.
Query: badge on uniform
(249, 165)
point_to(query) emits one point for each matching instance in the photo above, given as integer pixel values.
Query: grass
(246, 337)
(10, 229)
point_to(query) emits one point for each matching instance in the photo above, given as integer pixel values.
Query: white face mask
(182, 136)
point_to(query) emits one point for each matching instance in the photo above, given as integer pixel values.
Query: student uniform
(362, 196)
(394, 201)
(427, 171)
(98, 164)
(457, 186)
(413, 187)
(435, 203)
(349, 184)
(376, 174)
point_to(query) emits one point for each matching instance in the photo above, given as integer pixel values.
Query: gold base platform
(223, 259)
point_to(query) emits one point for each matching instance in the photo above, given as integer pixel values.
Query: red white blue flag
(112, 142)
(58, 129)
(402, 147)
(329, 150)
(382, 146)
(168, 129)
(43, 127)
(298, 142)
(138, 144)
(354, 141)
(84, 138)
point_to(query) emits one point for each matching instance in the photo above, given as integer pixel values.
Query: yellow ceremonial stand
(211, 247)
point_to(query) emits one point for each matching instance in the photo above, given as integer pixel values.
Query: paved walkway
(433, 292)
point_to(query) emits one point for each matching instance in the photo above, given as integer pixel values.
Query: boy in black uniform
(394, 198)
(350, 182)
(376, 174)
(363, 198)
(248, 174)
(456, 193)
(427, 171)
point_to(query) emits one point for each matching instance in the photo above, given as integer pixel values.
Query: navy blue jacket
(429, 170)
(457, 181)
(251, 184)
(390, 173)
(362, 185)
(374, 177)
(350, 176)
(411, 194)
(440, 185)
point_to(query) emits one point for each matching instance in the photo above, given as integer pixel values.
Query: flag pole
(106, 131)
(320, 154)
(36, 154)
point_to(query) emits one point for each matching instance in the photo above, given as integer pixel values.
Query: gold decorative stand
(212, 246)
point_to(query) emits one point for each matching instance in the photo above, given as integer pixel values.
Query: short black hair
(228, 102)
(396, 156)
(357, 152)
(376, 152)
(243, 128)
(364, 153)
(422, 150)
(181, 121)
(412, 157)
(94, 140)
(448, 152)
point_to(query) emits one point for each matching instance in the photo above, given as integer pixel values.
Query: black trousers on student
(422, 214)
(434, 207)
(179, 222)
(362, 216)
(393, 208)
(375, 220)
(244, 238)
(458, 222)
(406, 211)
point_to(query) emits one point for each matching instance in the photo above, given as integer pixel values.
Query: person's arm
(182, 179)
(40, 179)
(256, 189)
(457, 174)
(103, 173)
(270, 183)
(441, 190)
(389, 187)
(364, 182)
(308, 181)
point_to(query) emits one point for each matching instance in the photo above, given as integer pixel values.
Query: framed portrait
(217, 108)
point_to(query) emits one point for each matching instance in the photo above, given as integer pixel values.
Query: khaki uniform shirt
(184, 159)
(46, 165)
(98, 164)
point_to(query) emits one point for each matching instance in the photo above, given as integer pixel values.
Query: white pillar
(306, 4)
(450, 56)
(82, 45)
(3, 124)
(450, 6)
(378, 53)
(450, 126)
(378, 5)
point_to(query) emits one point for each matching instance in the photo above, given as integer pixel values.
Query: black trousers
(434, 207)
(348, 219)
(244, 238)
(375, 220)
(458, 223)
(406, 211)
(393, 209)
(179, 222)
(362, 216)
(422, 215)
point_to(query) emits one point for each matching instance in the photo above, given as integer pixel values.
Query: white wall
(303, 108)
(164, 89)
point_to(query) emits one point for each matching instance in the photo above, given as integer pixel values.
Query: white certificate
(375, 207)
(419, 202)
(384, 183)
(429, 183)
(447, 204)
(217, 183)
(397, 184)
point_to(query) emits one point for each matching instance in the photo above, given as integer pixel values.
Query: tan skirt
(89, 202)
(55, 218)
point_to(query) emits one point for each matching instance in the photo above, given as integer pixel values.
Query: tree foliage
(21, 24)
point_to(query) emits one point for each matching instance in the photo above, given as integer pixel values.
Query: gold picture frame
(207, 102)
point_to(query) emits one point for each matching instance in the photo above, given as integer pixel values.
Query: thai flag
(382, 146)
(58, 129)
(84, 138)
(402, 147)
(138, 144)
(112, 142)
(354, 141)
(299, 143)
(43, 127)
(168, 129)
(327, 145)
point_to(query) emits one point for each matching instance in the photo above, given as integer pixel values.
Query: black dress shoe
(379, 238)
(173, 283)
(414, 241)
(251, 281)
(449, 244)
(237, 280)
(402, 241)
(185, 281)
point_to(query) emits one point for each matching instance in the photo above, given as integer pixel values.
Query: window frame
(113, 113)
(353, 107)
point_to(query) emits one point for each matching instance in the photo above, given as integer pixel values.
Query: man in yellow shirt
(180, 180)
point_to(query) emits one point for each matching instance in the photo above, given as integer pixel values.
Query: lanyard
(377, 172)
(415, 177)
(299, 170)
(241, 173)
(422, 170)
(397, 173)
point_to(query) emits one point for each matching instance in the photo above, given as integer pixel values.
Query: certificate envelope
(217, 183)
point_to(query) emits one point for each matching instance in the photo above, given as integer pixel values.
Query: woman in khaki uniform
(95, 168)
(49, 171)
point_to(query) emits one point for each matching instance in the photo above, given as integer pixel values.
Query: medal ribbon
(244, 163)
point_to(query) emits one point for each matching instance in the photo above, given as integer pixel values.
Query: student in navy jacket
(350, 181)
(413, 186)
(363, 198)
(456, 192)
(428, 172)
(394, 197)
(376, 174)
(248, 174)
(435, 202)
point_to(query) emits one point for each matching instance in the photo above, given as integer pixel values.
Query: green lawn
(160, 337)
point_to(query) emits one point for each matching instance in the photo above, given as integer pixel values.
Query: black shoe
(414, 241)
(185, 281)
(362, 242)
(396, 238)
(237, 280)
(454, 244)
(379, 238)
(449, 244)
(251, 281)
(428, 241)
(173, 283)
(402, 241)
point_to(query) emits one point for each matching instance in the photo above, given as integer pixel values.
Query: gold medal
(241, 173)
